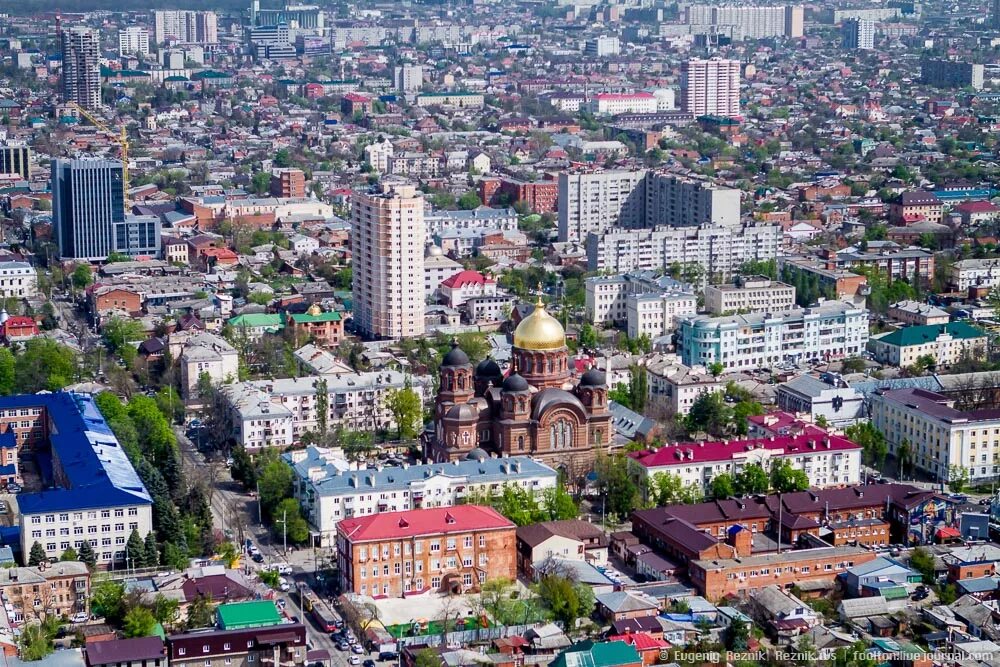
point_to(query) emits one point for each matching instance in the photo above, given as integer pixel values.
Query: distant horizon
(27, 7)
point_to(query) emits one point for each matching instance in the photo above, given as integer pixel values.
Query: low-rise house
(204, 354)
(858, 609)
(135, 652)
(572, 539)
(623, 605)
(599, 654)
(945, 343)
(870, 578)
(783, 613)
(36, 593)
(283, 643)
(918, 313)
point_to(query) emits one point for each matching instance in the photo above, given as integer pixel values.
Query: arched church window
(520, 442)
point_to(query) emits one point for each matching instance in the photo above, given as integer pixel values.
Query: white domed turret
(433, 251)
(4, 316)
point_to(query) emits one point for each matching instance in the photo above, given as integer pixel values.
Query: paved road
(235, 513)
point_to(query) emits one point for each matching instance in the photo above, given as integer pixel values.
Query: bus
(326, 618)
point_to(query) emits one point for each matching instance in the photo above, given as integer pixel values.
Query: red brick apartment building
(719, 578)
(288, 183)
(455, 549)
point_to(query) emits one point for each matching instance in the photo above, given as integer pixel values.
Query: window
(468, 541)
(435, 582)
(226, 647)
(181, 651)
(482, 541)
(435, 547)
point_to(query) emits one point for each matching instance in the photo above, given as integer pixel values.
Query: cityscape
(573, 333)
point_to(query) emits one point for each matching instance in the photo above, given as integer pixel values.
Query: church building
(538, 410)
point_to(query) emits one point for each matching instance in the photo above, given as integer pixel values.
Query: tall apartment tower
(858, 34)
(15, 159)
(81, 73)
(409, 78)
(795, 20)
(185, 26)
(711, 87)
(599, 201)
(387, 243)
(995, 14)
(133, 40)
(88, 200)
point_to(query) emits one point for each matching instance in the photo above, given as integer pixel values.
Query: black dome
(593, 378)
(455, 356)
(515, 382)
(488, 368)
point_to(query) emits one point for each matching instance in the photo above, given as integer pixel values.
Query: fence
(463, 637)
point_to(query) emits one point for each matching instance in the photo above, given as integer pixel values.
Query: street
(235, 512)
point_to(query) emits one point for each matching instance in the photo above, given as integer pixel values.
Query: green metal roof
(919, 335)
(305, 318)
(604, 654)
(240, 615)
(255, 320)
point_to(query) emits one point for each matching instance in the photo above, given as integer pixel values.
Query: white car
(284, 585)
(80, 617)
(354, 660)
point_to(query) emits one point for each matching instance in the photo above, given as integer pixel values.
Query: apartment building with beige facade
(388, 246)
(938, 435)
(751, 294)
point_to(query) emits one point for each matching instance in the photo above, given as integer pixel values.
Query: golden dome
(539, 331)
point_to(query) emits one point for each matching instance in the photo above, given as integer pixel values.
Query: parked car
(80, 617)
(368, 663)
(357, 648)
(354, 660)
(344, 646)
(257, 557)
(284, 585)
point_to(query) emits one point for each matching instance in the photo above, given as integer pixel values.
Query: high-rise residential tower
(858, 34)
(711, 87)
(387, 241)
(81, 73)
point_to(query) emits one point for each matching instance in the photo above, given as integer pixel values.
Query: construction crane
(120, 137)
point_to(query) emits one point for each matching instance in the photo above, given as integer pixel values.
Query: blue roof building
(91, 489)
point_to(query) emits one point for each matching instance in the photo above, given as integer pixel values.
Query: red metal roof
(463, 278)
(431, 521)
(726, 450)
(641, 641)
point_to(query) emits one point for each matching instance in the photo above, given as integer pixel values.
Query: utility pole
(260, 518)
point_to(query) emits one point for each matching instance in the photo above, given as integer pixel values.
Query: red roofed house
(831, 460)
(908, 207)
(353, 103)
(393, 554)
(17, 328)
(219, 257)
(976, 212)
(466, 285)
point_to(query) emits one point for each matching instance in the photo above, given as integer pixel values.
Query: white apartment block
(18, 279)
(378, 154)
(598, 201)
(938, 435)
(968, 273)
(833, 330)
(748, 21)
(720, 251)
(858, 34)
(601, 47)
(438, 267)
(133, 40)
(388, 253)
(711, 87)
(675, 386)
(680, 201)
(753, 294)
(828, 397)
(408, 78)
(276, 413)
(204, 352)
(612, 104)
(330, 490)
(828, 460)
(607, 297)
(482, 218)
(185, 26)
(656, 315)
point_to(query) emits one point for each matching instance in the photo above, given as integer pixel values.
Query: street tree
(37, 555)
